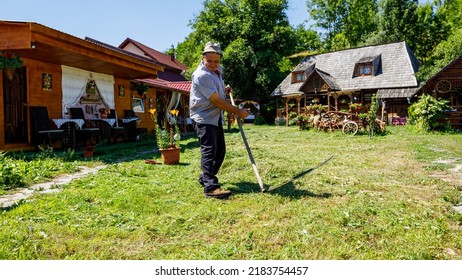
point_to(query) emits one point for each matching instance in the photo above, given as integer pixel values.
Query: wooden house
(170, 90)
(62, 71)
(338, 79)
(447, 84)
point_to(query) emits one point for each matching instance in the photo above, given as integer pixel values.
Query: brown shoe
(218, 193)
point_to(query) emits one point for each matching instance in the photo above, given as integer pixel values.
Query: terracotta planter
(170, 155)
(9, 72)
(88, 152)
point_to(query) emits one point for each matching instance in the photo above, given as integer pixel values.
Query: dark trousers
(213, 149)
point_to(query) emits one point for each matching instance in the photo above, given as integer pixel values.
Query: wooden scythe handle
(247, 147)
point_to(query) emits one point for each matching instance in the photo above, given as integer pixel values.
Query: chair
(87, 133)
(136, 131)
(116, 131)
(43, 132)
(69, 140)
(130, 114)
(131, 125)
(112, 134)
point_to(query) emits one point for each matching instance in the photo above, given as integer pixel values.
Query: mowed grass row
(389, 197)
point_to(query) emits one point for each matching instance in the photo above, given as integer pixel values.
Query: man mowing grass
(207, 102)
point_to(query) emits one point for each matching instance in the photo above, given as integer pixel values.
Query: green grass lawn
(389, 197)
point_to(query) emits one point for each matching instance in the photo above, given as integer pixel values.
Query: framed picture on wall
(47, 81)
(121, 91)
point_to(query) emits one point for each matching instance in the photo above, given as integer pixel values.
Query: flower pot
(87, 154)
(88, 151)
(170, 155)
(9, 72)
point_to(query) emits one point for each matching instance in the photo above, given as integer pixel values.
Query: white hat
(211, 47)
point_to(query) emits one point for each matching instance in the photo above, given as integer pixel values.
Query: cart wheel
(350, 128)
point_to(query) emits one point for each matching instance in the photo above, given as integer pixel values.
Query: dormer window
(298, 77)
(367, 66)
(364, 69)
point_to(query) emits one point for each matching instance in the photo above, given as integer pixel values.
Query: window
(138, 105)
(363, 69)
(298, 77)
(368, 66)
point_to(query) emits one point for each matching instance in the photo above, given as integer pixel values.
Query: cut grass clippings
(380, 198)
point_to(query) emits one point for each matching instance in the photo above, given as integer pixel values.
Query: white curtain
(74, 81)
(173, 104)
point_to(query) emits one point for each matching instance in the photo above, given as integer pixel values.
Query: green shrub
(302, 122)
(427, 114)
(259, 120)
(10, 176)
(280, 121)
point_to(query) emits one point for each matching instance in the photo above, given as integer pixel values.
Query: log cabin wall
(43, 51)
(37, 96)
(2, 115)
(122, 101)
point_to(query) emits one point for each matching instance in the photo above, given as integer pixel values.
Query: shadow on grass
(287, 189)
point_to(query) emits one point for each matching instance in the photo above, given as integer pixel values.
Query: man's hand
(242, 114)
(228, 89)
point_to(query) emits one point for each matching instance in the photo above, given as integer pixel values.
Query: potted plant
(142, 89)
(355, 107)
(168, 138)
(9, 62)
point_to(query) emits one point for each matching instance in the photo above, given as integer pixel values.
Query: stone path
(9, 200)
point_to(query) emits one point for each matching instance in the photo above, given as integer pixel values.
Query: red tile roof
(182, 87)
(162, 58)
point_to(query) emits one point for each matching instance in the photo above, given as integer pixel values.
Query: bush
(427, 114)
(280, 121)
(9, 174)
(259, 120)
(303, 122)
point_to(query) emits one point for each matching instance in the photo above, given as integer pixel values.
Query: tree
(346, 22)
(443, 54)
(430, 29)
(453, 11)
(306, 39)
(255, 35)
(398, 20)
(447, 34)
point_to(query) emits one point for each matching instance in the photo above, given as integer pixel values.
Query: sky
(158, 24)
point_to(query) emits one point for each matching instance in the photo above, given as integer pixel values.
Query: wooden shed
(447, 84)
(53, 62)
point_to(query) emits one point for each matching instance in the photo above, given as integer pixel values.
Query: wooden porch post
(328, 101)
(287, 111)
(278, 113)
(298, 105)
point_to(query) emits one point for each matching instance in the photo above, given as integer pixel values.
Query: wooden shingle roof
(396, 67)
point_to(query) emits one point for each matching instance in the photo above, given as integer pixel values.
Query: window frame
(298, 77)
(138, 105)
(360, 69)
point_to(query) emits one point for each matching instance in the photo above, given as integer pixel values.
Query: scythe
(249, 152)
